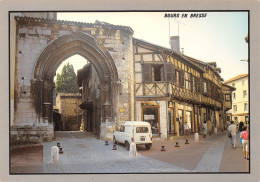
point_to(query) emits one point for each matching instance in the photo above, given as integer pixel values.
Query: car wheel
(114, 140)
(127, 145)
(147, 146)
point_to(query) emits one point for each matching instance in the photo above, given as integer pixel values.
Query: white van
(138, 132)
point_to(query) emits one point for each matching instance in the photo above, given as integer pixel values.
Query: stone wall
(34, 36)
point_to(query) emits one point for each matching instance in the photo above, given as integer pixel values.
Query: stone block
(39, 30)
(46, 32)
(62, 32)
(43, 41)
(22, 30)
(32, 31)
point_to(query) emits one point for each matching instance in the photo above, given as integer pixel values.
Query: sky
(218, 36)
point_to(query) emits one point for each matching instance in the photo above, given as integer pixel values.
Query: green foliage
(66, 82)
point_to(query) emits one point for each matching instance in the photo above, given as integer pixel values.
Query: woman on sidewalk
(245, 137)
(205, 129)
(240, 129)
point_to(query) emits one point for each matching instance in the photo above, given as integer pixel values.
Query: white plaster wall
(138, 116)
(163, 119)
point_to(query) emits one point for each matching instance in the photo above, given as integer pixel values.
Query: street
(83, 153)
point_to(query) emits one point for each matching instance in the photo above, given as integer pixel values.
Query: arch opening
(100, 73)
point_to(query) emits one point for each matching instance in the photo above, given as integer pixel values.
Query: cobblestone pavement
(90, 155)
(86, 154)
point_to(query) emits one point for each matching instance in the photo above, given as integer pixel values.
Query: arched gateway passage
(54, 54)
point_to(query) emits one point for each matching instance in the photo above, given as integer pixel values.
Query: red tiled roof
(236, 78)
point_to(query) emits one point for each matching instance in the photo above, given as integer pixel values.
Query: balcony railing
(181, 93)
(152, 89)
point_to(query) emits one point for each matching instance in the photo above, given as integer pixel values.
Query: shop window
(150, 114)
(180, 119)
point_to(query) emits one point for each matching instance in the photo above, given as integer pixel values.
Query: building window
(245, 107)
(233, 84)
(243, 82)
(177, 78)
(228, 97)
(235, 108)
(157, 73)
(204, 87)
(153, 72)
(187, 81)
(244, 94)
(234, 96)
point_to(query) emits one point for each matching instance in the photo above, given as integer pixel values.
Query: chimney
(175, 43)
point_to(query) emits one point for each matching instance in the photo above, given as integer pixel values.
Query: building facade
(67, 105)
(126, 79)
(240, 104)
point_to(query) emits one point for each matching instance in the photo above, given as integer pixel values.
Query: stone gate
(41, 45)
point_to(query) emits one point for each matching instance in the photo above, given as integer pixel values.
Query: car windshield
(141, 129)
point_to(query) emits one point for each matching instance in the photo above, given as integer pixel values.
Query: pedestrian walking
(232, 128)
(245, 137)
(240, 129)
(186, 128)
(205, 128)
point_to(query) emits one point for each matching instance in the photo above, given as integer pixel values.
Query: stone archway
(54, 54)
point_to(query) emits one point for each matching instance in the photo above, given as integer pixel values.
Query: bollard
(55, 154)
(187, 142)
(177, 144)
(106, 143)
(163, 149)
(196, 137)
(132, 151)
(114, 147)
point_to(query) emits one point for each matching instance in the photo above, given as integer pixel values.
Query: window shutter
(147, 72)
(169, 72)
(173, 75)
(181, 78)
(198, 84)
(191, 78)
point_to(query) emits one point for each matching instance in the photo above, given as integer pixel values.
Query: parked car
(138, 132)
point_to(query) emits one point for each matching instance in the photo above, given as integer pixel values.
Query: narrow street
(83, 153)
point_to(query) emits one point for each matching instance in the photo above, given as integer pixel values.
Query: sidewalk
(211, 154)
(233, 159)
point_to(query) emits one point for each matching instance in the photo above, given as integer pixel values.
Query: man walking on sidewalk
(186, 128)
(232, 128)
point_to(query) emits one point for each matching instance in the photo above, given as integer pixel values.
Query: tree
(66, 82)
